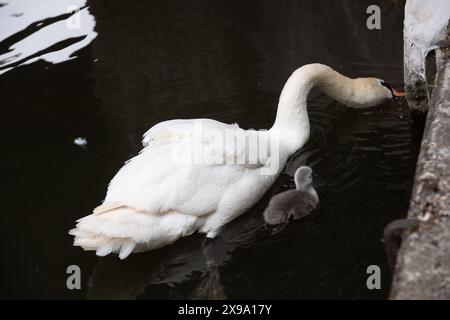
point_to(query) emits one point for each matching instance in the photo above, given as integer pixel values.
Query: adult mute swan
(193, 175)
(296, 203)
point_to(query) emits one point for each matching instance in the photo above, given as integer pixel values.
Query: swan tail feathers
(123, 230)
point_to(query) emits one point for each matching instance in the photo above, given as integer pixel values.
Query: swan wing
(165, 131)
(186, 166)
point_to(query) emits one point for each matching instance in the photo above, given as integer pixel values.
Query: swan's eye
(385, 84)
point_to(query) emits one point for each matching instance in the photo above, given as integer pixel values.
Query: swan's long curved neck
(292, 115)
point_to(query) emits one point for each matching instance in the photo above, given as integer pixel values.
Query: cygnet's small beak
(398, 93)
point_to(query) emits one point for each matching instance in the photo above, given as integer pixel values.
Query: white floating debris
(81, 142)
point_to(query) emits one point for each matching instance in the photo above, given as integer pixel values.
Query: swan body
(189, 177)
(293, 204)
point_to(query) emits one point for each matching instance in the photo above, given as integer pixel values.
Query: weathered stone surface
(425, 25)
(423, 261)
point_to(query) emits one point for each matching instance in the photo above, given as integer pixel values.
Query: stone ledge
(423, 261)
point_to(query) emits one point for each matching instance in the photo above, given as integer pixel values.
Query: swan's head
(371, 92)
(303, 178)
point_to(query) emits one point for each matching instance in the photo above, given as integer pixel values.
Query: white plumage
(193, 175)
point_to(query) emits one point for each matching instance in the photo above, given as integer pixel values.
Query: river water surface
(115, 68)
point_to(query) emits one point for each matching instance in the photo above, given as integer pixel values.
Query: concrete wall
(425, 25)
(422, 268)
(423, 261)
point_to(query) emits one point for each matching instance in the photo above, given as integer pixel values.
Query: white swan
(167, 192)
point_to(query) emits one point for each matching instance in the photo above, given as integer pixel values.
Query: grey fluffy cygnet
(293, 203)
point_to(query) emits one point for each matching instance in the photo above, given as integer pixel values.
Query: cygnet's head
(372, 92)
(303, 178)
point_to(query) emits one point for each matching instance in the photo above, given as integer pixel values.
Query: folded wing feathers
(115, 228)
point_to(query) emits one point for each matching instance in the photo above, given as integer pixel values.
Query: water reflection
(113, 279)
(210, 286)
(52, 31)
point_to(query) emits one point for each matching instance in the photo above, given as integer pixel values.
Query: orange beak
(398, 93)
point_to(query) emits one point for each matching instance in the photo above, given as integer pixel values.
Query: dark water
(135, 63)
